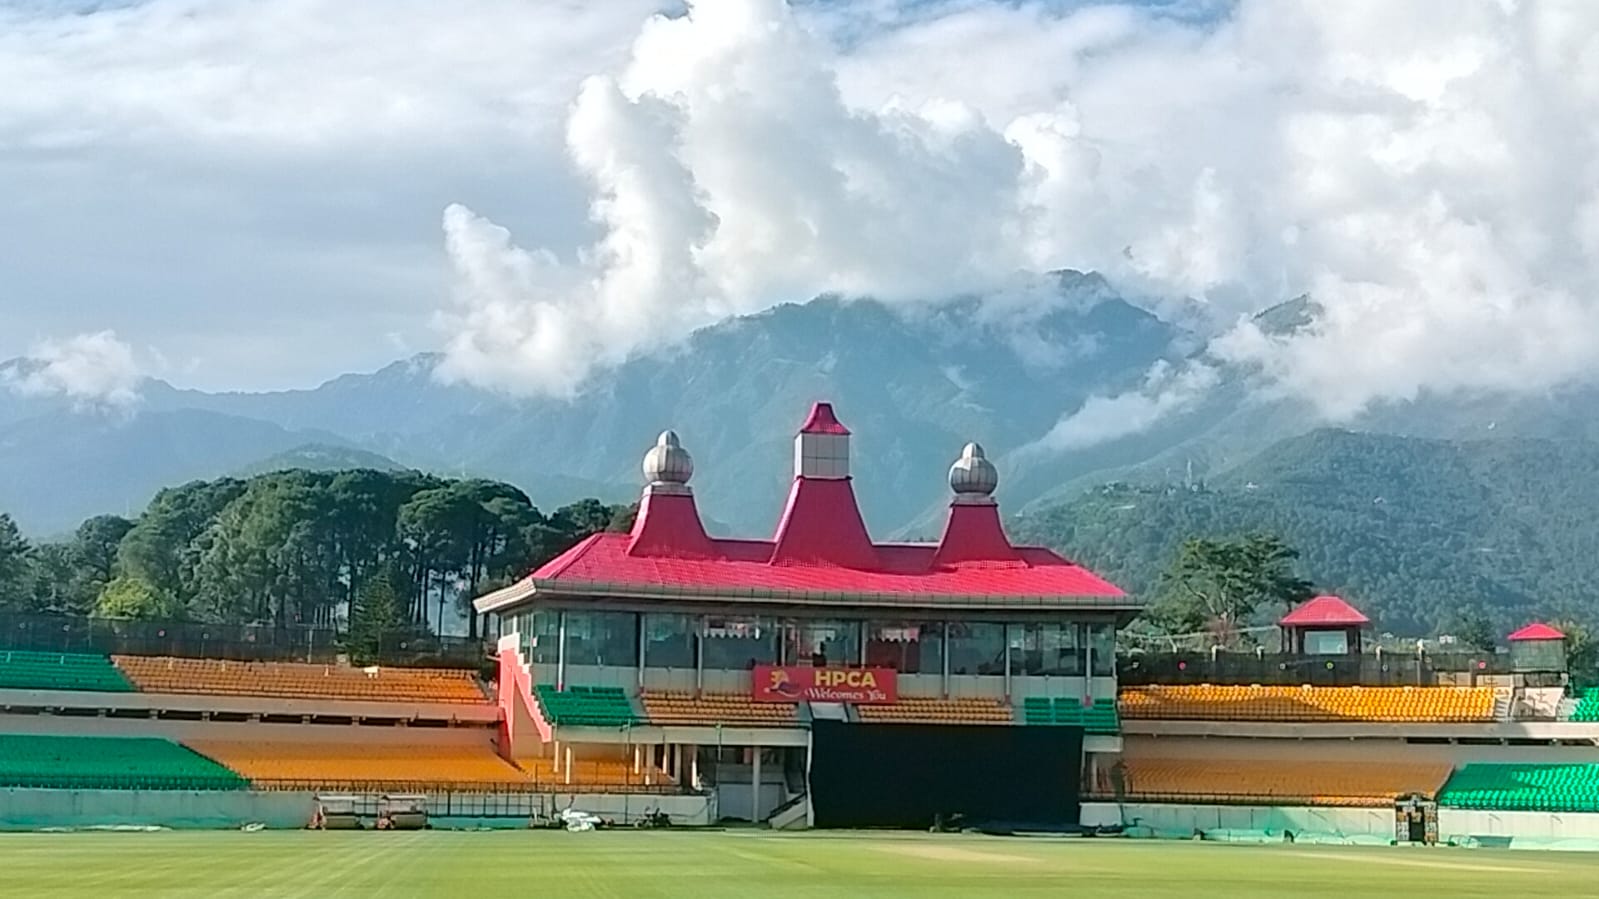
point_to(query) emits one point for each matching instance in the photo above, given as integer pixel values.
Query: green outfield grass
(753, 864)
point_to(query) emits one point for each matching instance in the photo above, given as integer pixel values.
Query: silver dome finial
(972, 474)
(668, 462)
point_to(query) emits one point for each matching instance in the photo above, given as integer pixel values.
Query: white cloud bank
(91, 370)
(1167, 389)
(1426, 170)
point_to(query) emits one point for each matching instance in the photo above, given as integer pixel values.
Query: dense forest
(299, 547)
(1422, 534)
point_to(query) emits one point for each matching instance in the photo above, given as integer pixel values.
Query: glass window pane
(906, 647)
(1326, 643)
(1047, 649)
(544, 634)
(732, 643)
(602, 638)
(1102, 636)
(822, 643)
(977, 648)
(669, 640)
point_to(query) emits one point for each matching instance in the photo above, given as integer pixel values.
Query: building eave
(527, 588)
(506, 596)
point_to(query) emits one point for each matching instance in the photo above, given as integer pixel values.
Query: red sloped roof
(746, 565)
(1537, 631)
(820, 552)
(975, 534)
(823, 421)
(822, 523)
(1324, 611)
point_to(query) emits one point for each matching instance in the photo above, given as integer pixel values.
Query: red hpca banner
(781, 683)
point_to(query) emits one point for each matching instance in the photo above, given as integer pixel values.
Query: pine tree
(378, 618)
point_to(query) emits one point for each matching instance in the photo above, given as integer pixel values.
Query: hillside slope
(1416, 531)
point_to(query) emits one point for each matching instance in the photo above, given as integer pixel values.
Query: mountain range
(914, 383)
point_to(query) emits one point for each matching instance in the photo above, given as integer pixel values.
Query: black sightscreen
(908, 775)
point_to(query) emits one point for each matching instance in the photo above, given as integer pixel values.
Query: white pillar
(1007, 662)
(638, 633)
(1086, 635)
(557, 746)
(943, 681)
(569, 763)
(755, 786)
(649, 769)
(694, 766)
(638, 752)
(699, 656)
(560, 652)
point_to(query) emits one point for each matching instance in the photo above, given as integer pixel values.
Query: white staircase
(828, 711)
(1504, 705)
(794, 814)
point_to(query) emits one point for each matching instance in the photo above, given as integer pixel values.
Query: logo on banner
(778, 683)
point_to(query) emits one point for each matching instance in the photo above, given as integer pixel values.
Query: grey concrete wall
(37, 809)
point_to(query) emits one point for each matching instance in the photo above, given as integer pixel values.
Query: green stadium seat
(1523, 787)
(1587, 710)
(31, 670)
(587, 706)
(108, 763)
(1100, 718)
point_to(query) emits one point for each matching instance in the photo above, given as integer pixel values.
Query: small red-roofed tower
(822, 524)
(668, 522)
(974, 533)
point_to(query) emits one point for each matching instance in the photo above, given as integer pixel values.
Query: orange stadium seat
(1210, 702)
(591, 772)
(1268, 781)
(293, 680)
(335, 766)
(670, 707)
(940, 711)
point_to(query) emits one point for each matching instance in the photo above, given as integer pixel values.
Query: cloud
(1167, 389)
(91, 370)
(251, 174)
(1425, 170)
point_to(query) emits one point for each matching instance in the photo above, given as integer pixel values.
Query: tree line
(359, 548)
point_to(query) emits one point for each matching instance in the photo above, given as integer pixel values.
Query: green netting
(1100, 718)
(108, 763)
(1587, 709)
(27, 670)
(587, 706)
(1523, 787)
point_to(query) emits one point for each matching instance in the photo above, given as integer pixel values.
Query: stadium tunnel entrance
(922, 776)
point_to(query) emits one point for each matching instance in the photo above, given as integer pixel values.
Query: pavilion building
(694, 651)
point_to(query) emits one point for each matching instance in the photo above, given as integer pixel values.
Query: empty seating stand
(1267, 782)
(1210, 702)
(24, 670)
(291, 680)
(1587, 708)
(670, 707)
(939, 711)
(1524, 787)
(587, 706)
(108, 763)
(596, 774)
(1098, 718)
(319, 765)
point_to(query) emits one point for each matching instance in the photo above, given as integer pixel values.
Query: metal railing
(210, 784)
(1371, 669)
(62, 633)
